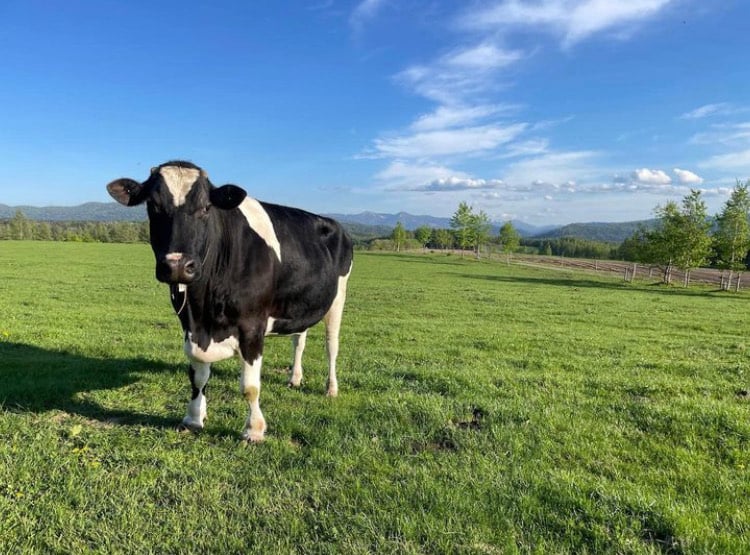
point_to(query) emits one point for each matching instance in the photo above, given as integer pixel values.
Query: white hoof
(190, 424)
(253, 436)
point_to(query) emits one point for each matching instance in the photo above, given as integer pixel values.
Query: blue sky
(546, 111)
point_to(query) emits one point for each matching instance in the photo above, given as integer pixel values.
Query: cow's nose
(189, 268)
(176, 268)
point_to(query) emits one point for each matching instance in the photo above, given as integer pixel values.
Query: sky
(541, 111)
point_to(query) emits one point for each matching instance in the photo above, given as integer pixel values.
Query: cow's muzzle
(176, 267)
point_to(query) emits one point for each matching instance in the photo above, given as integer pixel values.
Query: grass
(483, 408)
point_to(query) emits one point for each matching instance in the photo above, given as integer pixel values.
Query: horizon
(116, 205)
(547, 113)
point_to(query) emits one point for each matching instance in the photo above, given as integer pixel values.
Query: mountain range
(364, 223)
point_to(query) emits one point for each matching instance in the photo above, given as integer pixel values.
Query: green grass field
(483, 408)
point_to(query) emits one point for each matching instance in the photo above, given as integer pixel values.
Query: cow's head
(183, 215)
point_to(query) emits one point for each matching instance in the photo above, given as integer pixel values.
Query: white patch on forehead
(179, 181)
(260, 222)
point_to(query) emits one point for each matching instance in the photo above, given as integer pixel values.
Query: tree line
(19, 227)
(685, 237)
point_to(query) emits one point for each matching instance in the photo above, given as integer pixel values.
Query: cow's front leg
(252, 360)
(199, 373)
(298, 347)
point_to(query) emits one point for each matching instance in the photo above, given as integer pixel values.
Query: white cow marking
(255, 425)
(260, 222)
(215, 351)
(333, 324)
(179, 181)
(196, 411)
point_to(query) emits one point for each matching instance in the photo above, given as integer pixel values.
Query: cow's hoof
(291, 384)
(190, 425)
(253, 436)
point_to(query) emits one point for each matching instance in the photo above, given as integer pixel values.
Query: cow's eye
(203, 212)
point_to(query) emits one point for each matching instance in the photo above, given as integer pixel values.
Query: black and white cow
(240, 270)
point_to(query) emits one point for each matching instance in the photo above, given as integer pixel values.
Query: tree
(423, 234)
(509, 238)
(20, 226)
(398, 236)
(732, 236)
(682, 238)
(443, 238)
(461, 222)
(694, 245)
(480, 230)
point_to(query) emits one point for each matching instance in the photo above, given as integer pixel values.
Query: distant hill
(608, 232)
(88, 212)
(409, 221)
(365, 225)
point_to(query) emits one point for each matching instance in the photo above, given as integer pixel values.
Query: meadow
(483, 408)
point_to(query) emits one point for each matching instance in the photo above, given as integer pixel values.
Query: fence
(630, 270)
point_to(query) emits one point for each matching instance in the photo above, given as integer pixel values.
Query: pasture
(483, 408)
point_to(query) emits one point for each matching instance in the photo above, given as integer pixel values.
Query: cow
(239, 270)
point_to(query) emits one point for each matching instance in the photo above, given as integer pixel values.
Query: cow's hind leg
(199, 373)
(298, 347)
(332, 322)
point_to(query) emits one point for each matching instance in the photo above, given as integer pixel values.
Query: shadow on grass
(574, 283)
(36, 380)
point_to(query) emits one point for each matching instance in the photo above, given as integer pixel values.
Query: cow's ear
(127, 192)
(227, 197)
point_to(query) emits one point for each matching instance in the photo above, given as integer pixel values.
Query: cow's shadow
(37, 380)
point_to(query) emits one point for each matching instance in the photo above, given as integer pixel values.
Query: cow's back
(315, 252)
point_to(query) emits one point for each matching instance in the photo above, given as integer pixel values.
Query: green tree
(20, 226)
(509, 239)
(398, 236)
(480, 230)
(443, 238)
(694, 245)
(681, 239)
(732, 236)
(461, 222)
(43, 231)
(423, 234)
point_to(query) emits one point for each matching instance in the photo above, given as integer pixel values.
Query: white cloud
(364, 12)
(651, 177)
(532, 147)
(572, 20)
(454, 183)
(721, 108)
(444, 117)
(727, 134)
(446, 142)
(459, 74)
(733, 161)
(554, 167)
(687, 177)
(483, 57)
(402, 175)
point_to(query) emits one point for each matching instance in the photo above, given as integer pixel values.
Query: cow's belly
(213, 352)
